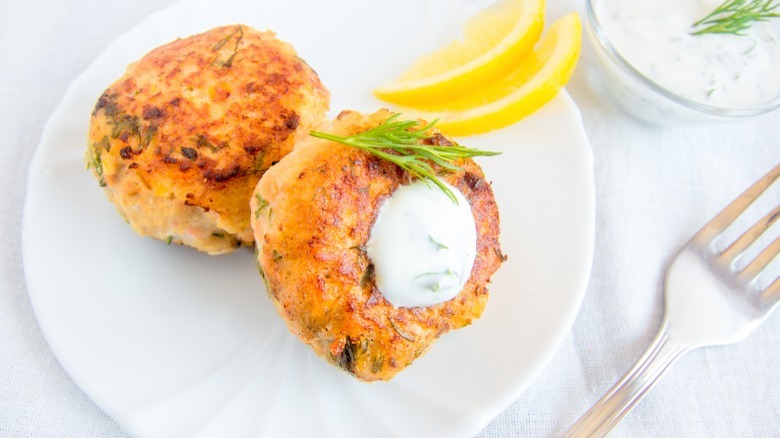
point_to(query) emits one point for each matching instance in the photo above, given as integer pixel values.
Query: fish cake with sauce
(312, 215)
(181, 140)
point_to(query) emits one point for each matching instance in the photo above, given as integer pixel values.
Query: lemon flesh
(494, 41)
(534, 82)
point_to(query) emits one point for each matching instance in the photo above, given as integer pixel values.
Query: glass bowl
(647, 100)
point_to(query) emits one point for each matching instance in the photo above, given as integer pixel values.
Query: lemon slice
(534, 81)
(493, 42)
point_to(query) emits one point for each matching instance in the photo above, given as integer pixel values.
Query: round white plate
(171, 342)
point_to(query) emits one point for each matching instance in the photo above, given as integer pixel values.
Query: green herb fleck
(147, 136)
(377, 364)
(400, 332)
(447, 273)
(238, 34)
(439, 245)
(261, 204)
(202, 141)
(103, 143)
(436, 286)
(346, 359)
(96, 160)
(368, 275)
(125, 126)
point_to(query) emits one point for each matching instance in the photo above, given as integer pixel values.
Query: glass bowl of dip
(658, 71)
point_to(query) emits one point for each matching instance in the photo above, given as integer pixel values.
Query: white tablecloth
(654, 188)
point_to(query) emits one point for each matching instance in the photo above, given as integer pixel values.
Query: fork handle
(629, 390)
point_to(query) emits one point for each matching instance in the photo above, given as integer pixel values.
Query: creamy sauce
(715, 69)
(422, 245)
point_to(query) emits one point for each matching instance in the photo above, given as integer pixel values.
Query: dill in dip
(727, 70)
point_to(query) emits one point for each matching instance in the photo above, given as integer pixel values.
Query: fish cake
(312, 215)
(181, 140)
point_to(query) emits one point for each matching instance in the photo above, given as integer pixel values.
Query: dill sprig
(398, 141)
(736, 16)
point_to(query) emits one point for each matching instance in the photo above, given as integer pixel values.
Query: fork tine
(751, 271)
(746, 239)
(771, 295)
(733, 210)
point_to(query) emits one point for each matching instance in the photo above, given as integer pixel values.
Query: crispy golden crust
(312, 216)
(181, 140)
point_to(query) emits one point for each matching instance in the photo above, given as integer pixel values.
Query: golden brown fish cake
(180, 141)
(312, 215)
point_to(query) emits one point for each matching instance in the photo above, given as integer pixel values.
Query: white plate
(172, 342)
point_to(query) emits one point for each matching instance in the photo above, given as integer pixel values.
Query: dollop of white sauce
(716, 69)
(422, 245)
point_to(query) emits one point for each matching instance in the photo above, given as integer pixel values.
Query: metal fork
(708, 301)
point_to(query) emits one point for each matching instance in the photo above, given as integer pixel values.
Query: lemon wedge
(533, 82)
(494, 40)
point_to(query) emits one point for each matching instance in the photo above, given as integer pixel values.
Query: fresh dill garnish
(398, 141)
(736, 16)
